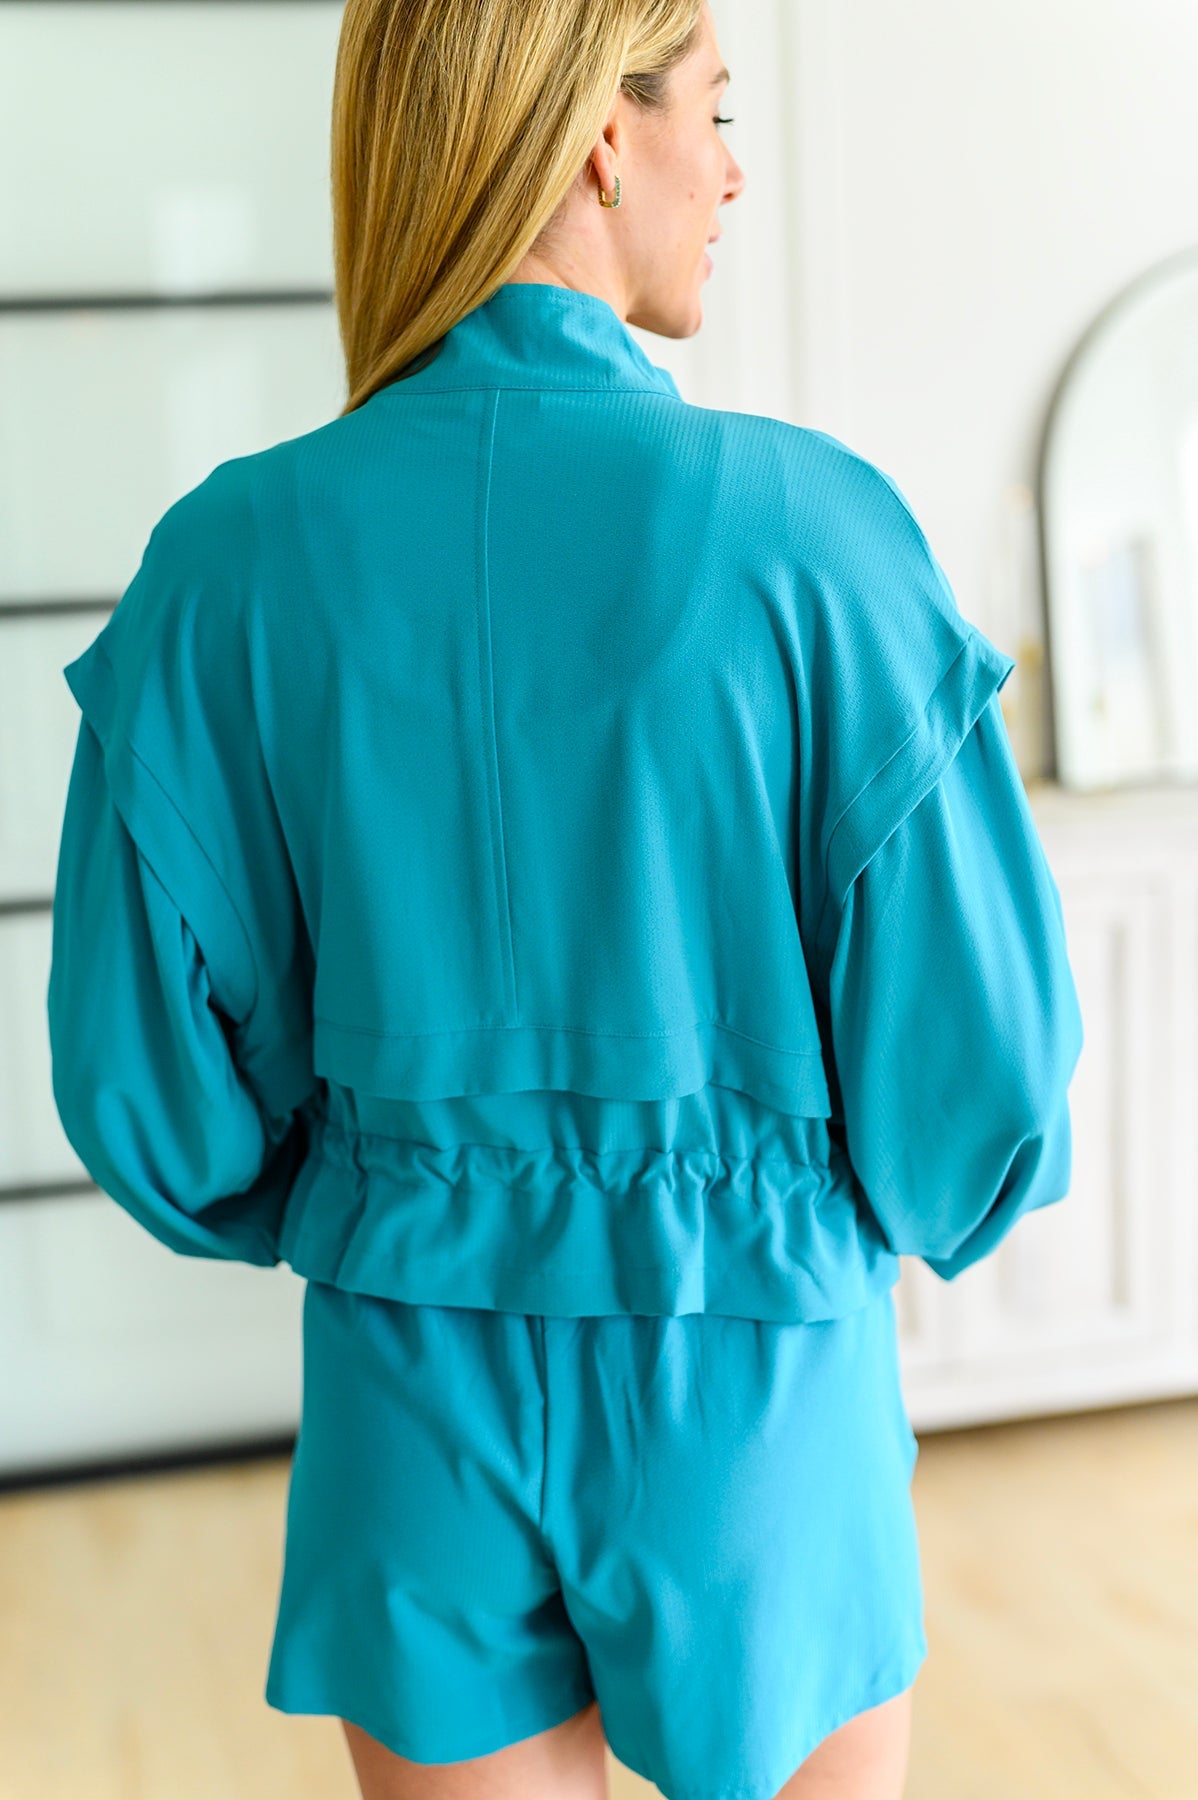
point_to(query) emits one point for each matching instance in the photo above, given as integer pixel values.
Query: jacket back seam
(486, 672)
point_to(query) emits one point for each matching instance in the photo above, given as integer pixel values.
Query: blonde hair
(458, 128)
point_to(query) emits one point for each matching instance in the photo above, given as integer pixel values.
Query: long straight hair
(458, 129)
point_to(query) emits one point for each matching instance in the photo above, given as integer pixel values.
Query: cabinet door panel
(165, 149)
(34, 1150)
(1090, 1301)
(117, 1348)
(1094, 1267)
(191, 387)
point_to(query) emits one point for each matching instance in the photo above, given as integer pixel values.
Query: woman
(545, 861)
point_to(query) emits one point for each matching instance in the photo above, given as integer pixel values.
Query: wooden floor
(1060, 1564)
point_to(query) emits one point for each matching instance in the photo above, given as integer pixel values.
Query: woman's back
(511, 747)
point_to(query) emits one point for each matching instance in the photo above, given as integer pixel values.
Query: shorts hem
(884, 1687)
(399, 1743)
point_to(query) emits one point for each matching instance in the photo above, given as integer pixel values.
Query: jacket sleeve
(953, 1015)
(144, 1051)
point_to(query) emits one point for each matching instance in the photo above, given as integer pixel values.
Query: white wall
(940, 198)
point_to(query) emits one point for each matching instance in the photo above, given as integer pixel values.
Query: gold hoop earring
(604, 201)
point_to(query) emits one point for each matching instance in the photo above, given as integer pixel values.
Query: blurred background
(968, 247)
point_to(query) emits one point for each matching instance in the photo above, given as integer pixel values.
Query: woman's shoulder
(804, 488)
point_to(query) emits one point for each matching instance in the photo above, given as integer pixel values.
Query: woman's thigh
(567, 1762)
(865, 1759)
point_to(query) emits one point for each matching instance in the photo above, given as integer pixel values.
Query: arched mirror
(1119, 513)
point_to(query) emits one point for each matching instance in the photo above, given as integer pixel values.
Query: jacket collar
(532, 334)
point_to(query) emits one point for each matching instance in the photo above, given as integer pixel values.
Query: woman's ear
(609, 150)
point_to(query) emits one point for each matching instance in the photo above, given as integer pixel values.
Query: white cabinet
(1093, 1301)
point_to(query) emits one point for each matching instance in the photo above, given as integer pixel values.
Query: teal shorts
(704, 1522)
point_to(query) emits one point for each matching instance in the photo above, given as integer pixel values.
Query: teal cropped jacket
(536, 843)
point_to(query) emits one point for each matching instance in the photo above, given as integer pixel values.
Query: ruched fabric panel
(574, 1232)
